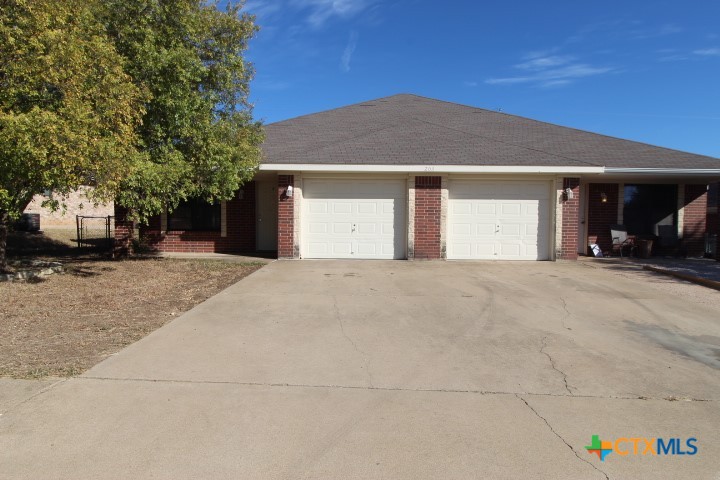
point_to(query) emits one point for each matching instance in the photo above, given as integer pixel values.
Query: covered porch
(677, 216)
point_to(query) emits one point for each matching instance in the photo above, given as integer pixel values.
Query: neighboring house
(76, 203)
(412, 177)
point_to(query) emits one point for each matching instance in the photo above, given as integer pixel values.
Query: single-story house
(408, 177)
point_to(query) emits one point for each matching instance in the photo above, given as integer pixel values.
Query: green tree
(68, 111)
(198, 138)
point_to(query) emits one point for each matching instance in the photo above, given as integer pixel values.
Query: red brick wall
(123, 231)
(695, 219)
(713, 215)
(570, 218)
(240, 223)
(286, 219)
(602, 215)
(427, 218)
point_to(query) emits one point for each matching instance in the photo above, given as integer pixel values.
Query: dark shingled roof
(412, 130)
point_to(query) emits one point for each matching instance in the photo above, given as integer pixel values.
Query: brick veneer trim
(695, 219)
(602, 215)
(570, 219)
(427, 237)
(286, 219)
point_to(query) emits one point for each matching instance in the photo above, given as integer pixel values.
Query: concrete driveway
(333, 369)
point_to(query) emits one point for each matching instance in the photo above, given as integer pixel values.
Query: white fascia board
(311, 167)
(664, 171)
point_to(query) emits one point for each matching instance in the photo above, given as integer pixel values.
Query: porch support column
(427, 234)
(286, 219)
(713, 217)
(570, 198)
(694, 223)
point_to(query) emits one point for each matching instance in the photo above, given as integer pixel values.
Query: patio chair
(620, 240)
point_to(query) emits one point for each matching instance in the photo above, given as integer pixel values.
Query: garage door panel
(462, 208)
(510, 249)
(318, 227)
(531, 210)
(340, 247)
(367, 228)
(459, 229)
(388, 208)
(339, 228)
(507, 220)
(365, 208)
(319, 207)
(342, 208)
(484, 250)
(485, 230)
(461, 250)
(368, 217)
(484, 208)
(318, 248)
(367, 248)
(387, 229)
(510, 209)
(508, 229)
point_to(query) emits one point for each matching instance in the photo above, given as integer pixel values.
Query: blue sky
(643, 70)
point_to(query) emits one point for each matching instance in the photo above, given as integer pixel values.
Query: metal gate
(94, 232)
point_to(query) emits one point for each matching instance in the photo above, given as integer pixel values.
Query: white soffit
(309, 167)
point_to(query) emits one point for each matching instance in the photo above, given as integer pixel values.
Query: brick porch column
(286, 219)
(427, 218)
(124, 231)
(695, 219)
(570, 218)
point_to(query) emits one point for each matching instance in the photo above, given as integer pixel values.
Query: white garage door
(498, 220)
(353, 218)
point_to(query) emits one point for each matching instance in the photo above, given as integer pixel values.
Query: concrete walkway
(703, 271)
(392, 370)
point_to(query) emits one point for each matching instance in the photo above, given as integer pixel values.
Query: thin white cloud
(348, 52)
(623, 29)
(556, 83)
(708, 52)
(654, 32)
(550, 71)
(541, 63)
(323, 10)
(262, 9)
(540, 53)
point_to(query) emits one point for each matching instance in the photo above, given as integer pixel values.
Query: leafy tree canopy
(145, 99)
(68, 110)
(197, 137)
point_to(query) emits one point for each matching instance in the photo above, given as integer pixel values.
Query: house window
(651, 210)
(195, 215)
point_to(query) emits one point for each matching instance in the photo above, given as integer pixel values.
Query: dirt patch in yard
(66, 323)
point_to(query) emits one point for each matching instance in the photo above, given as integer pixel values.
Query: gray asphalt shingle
(412, 130)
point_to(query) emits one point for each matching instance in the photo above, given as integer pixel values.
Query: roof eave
(662, 172)
(371, 168)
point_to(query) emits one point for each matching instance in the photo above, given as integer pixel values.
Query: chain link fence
(95, 232)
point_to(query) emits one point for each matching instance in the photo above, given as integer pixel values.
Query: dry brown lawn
(65, 323)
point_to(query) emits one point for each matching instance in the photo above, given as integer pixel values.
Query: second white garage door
(498, 220)
(353, 218)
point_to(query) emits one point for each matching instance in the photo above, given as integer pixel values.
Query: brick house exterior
(371, 181)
